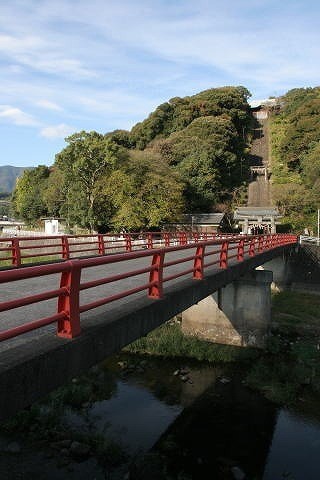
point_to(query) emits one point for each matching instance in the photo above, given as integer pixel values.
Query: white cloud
(57, 131)
(43, 54)
(125, 43)
(47, 104)
(12, 45)
(16, 116)
(106, 65)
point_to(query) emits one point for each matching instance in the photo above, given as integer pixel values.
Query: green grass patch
(301, 305)
(169, 341)
(36, 260)
(284, 373)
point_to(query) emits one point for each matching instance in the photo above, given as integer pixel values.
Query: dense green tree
(121, 137)
(144, 193)
(54, 195)
(5, 204)
(88, 157)
(203, 139)
(178, 113)
(205, 156)
(28, 196)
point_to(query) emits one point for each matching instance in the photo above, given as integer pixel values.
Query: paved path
(259, 192)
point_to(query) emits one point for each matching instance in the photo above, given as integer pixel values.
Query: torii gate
(259, 170)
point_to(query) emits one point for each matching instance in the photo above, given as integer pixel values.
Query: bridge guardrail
(67, 315)
(17, 251)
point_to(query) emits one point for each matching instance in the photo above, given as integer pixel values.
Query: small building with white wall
(51, 226)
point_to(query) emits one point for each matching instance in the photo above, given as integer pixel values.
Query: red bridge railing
(19, 251)
(194, 260)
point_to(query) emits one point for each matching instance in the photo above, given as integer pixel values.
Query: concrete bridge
(59, 319)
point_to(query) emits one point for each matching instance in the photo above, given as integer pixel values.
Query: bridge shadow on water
(226, 431)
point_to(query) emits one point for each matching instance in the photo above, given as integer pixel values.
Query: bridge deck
(32, 286)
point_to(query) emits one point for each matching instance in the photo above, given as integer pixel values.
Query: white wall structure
(51, 226)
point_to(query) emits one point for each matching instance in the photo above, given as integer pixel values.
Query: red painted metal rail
(194, 259)
(17, 251)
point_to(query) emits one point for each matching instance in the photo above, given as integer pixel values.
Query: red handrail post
(68, 303)
(128, 243)
(16, 252)
(166, 237)
(195, 236)
(183, 239)
(65, 247)
(252, 247)
(224, 254)
(260, 246)
(156, 276)
(240, 250)
(149, 240)
(270, 241)
(101, 244)
(198, 267)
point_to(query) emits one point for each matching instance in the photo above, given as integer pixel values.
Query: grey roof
(241, 212)
(203, 218)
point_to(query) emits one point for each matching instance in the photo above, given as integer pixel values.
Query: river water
(203, 419)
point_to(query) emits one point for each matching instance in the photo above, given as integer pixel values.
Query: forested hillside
(295, 143)
(187, 156)
(8, 176)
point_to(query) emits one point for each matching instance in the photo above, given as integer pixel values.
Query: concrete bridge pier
(238, 314)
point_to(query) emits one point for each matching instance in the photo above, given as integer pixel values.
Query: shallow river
(206, 422)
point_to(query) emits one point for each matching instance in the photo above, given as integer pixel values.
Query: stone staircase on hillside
(259, 189)
(259, 216)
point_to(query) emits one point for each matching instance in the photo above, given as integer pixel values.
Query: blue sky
(71, 65)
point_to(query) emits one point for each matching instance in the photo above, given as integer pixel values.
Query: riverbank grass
(169, 341)
(289, 370)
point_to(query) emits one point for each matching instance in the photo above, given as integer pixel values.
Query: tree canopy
(145, 192)
(178, 113)
(28, 197)
(87, 158)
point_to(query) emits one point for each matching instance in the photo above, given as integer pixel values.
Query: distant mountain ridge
(8, 176)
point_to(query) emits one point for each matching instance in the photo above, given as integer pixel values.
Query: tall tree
(27, 198)
(145, 193)
(88, 157)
